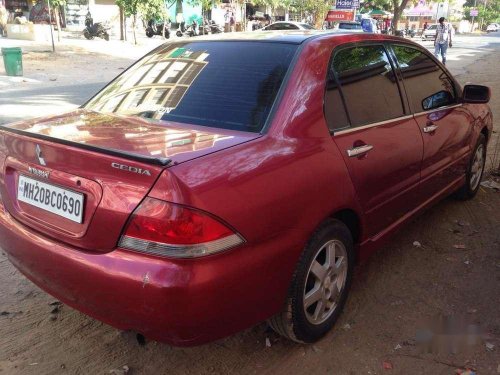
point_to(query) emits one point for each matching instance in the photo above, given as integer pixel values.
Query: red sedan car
(219, 183)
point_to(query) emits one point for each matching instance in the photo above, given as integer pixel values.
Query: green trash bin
(13, 61)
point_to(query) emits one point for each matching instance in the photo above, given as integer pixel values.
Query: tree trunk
(398, 10)
(58, 23)
(122, 25)
(134, 19)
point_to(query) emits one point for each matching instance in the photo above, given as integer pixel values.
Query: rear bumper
(181, 302)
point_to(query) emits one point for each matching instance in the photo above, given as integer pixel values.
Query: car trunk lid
(111, 162)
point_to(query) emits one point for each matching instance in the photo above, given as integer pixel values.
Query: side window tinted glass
(427, 85)
(368, 85)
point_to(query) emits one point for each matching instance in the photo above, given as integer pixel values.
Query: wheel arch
(485, 132)
(352, 221)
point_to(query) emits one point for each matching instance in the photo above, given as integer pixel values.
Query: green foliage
(153, 9)
(377, 4)
(130, 7)
(57, 3)
(489, 11)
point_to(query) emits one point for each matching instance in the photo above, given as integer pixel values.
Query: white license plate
(48, 197)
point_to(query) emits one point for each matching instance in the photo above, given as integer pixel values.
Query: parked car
(351, 26)
(492, 27)
(288, 25)
(197, 206)
(430, 32)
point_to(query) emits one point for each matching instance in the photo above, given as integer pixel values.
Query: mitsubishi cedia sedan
(219, 183)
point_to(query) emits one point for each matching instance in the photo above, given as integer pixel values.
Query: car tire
(319, 286)
(474, 172)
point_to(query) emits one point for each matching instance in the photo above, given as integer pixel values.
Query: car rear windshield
(350, 26)
(224, 84)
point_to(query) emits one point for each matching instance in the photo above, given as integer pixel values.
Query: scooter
(94, 29)
(156, 28)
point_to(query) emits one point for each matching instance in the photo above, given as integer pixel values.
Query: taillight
(171, 230)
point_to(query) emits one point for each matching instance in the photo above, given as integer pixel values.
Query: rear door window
(363, 79)
(427, 85)
(231, 85)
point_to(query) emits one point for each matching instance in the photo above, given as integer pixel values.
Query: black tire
(167, 33)
(470, 188)
(87, 35)
(178, 33)
(149, 32)
(293, 322)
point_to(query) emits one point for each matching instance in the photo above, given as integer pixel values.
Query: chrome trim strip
(350, 130)
(438, 109)
(180, 251)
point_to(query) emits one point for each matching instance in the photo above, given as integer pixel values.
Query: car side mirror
(476, 94)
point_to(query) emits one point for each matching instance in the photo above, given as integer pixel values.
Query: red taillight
(168, 229)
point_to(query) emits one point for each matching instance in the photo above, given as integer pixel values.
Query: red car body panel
(273, 188)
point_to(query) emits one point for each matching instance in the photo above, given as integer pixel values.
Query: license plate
(48, 197)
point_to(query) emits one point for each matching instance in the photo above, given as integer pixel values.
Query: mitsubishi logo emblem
(41, 160)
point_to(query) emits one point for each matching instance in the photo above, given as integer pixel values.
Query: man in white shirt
(442, 39)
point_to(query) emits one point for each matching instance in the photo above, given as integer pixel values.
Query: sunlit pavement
(59, 82)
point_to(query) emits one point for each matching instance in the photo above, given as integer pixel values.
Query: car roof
(279, 36)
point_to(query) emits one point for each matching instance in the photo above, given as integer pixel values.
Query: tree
(130, 9)
(56, 5)
(397, 7)
(489, 10)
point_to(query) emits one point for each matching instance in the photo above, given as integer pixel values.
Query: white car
(493, 27)
(429, 33)
(288, 25)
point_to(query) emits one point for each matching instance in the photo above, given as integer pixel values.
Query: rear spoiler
(108, 151)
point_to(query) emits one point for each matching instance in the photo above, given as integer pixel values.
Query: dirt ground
(445, 264)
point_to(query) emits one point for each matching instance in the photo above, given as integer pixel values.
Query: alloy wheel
(325, 282)
(477, 167)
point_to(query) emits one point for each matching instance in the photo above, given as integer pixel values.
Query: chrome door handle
(357, 151)
(430, 128)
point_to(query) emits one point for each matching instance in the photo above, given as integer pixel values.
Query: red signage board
(339, 15)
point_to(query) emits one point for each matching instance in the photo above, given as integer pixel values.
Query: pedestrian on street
(442, 39)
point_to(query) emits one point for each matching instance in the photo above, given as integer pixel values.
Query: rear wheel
(319, 286)
(149, 32)
(178, 33)
(475, 171)
(87, 35)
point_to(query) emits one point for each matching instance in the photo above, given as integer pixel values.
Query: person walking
(442, 39)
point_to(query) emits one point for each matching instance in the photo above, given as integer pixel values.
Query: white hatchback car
(430, 32)
(288, 25)
(493, 27)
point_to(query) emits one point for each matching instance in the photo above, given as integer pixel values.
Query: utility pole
(472, 27)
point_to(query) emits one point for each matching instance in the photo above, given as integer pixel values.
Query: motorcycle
(204, 29)
(156, 28)
(94, 29)
(191, 30)
(215, 28)
(411, 33)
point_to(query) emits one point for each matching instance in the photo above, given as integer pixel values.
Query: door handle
(430, 128)
(360, 150)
